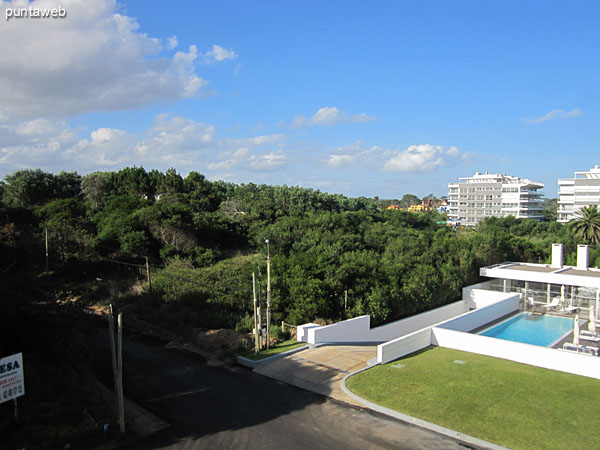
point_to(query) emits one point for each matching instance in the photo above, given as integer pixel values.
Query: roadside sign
(12, 382)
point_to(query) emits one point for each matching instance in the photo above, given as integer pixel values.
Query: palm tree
(586, 224)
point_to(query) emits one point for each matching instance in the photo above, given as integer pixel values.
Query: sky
(361, 98)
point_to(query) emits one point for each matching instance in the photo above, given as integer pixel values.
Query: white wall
(302, 331)
(404, 345)
(466, 292)
(498, 304)
(417, 322)
(358, 329)
(351, 330)
(533, 355)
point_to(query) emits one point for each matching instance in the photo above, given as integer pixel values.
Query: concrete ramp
(321, 369)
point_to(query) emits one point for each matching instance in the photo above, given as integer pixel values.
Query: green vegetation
(281, 347)
(511, 404)
(587, 224)
(203, 240)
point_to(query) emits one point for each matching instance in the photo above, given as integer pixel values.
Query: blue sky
(359, 98)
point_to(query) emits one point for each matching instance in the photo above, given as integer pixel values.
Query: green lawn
(511, 404)
(279, 348)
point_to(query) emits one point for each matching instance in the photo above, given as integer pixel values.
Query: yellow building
(418, 208)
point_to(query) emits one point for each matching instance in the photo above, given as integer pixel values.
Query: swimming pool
(543, 330)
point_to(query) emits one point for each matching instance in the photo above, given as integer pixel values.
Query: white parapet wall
(493, 305)
(351, 330)
(404, 345)
(302, 331)
(358, 330)
(534, 355)
(490, 306)
(467, 290)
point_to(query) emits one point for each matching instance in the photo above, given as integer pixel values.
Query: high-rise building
(578, 192)
(474, 198)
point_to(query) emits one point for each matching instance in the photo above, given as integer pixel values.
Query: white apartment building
(474, 198)
(578, 192)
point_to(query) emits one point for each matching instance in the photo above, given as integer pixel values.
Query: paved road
(221, 407)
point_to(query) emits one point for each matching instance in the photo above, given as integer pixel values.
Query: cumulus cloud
(245, 159)
(421, 158)
(172, 42)
(94, 59)
(330, 116)
(337, 161)
(107, 148)
(555, 114)
(358, 156)
(172, 141)
(254, 141)
(218, 54)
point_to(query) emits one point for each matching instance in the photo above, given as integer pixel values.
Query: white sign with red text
(12, 382)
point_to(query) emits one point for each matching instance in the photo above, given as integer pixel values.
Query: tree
(95, 186)
(65, 220)
(26, 188)
(550, 209)
(586, 224)
(409, 200)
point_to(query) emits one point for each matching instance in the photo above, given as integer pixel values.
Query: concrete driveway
(320, 369)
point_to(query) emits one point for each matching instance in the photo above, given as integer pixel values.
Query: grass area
(279, 348)
(511, 404)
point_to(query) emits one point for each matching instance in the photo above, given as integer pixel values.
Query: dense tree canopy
(204, 239)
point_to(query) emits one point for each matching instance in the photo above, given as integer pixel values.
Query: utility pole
(268, 294)
(120, 372)
(255, 318)
(346, 302)
(117, 364)
(259, 307)
(46, 233)
(148, 274)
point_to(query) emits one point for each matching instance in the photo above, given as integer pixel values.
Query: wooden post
(120, 372)
(113, 353)
(255, 318)
(148, 274)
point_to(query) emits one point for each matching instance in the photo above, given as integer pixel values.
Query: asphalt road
(230, 407)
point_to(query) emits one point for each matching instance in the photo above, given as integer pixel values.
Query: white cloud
(94, 59)
(172, 42)
(421, 158)
(244, 159)
(330, 116)
(337, 161)
(556, 114)
(357, 155)
(102, 135)
(254, 141)
(172, 141)
(218, 54)
(35, 128)
(231, 159)
(267, 161)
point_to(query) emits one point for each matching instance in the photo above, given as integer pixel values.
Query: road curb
(416, 421)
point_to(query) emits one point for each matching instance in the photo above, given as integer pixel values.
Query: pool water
(530, 328)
